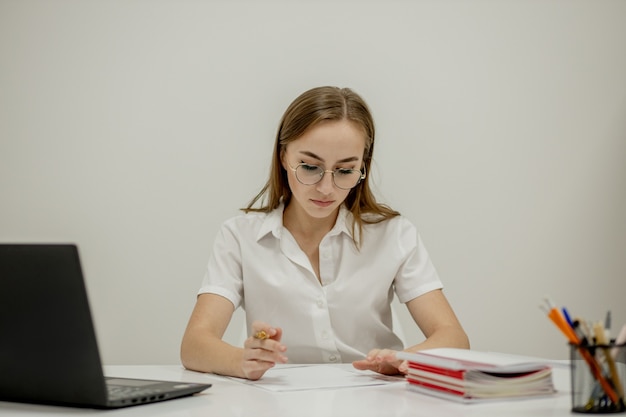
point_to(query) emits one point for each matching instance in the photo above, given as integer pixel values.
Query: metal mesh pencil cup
(598, 373)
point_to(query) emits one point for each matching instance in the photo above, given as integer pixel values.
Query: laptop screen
(48, 342)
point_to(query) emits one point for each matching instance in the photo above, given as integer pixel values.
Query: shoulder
(245, 220)
(397, 227)
(398, 222)
(253, 224)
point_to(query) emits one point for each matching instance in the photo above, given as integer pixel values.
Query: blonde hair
(315, 106)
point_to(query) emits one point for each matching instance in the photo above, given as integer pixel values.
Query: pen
(619, 340)
(601, 339)
(262, 335)
(567, 317)
(585, 329)
(579, 332)
(557, 318)
(607, 326)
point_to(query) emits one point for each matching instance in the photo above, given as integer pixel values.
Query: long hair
(314, 106)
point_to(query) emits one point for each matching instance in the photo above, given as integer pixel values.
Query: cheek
(343, 195)
(292, 181)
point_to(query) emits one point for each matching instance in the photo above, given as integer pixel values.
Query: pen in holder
(598, 374)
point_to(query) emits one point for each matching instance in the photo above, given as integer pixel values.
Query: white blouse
(257, 264)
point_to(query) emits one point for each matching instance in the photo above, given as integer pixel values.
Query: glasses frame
(324, 171)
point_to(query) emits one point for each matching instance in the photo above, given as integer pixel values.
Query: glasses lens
(346, 178)
(312, 174)
(309, 174)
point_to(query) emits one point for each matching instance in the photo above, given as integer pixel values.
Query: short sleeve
(223, 275)
(417, 274)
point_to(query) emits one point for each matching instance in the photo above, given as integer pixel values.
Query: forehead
(331, 140)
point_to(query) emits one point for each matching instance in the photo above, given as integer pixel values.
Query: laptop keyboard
(118, 392)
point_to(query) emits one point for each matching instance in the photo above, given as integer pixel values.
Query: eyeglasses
(343, 178)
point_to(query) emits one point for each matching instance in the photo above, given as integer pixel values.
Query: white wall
(134, 128)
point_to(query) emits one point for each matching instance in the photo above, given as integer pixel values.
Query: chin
(322, 212)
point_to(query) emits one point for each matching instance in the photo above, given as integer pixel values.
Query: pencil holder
(598, 373)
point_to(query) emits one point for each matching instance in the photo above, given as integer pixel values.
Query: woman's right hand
(262, 350)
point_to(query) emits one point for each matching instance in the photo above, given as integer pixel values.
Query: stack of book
(471, 376)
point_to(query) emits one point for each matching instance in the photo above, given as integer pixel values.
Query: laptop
(48, 347)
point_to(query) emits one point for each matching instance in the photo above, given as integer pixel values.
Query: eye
(309, 168)
(344, 171)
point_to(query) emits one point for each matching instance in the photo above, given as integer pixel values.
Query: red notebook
(470, 376)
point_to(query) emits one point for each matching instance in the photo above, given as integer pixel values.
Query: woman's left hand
(383, 361)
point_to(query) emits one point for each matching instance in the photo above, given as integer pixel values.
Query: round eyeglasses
(343, 178)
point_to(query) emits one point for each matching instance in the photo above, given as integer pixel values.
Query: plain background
(134, 128)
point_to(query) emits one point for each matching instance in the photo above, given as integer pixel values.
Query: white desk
(230, 398)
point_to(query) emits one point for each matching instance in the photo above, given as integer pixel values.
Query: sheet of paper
(458, 359)
(314, 377)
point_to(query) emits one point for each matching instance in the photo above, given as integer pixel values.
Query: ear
(282, 158)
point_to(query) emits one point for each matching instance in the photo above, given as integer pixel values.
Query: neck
(297, 220)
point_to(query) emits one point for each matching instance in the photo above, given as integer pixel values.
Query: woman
(315, 259)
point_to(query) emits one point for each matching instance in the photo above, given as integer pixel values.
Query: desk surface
(230, 398)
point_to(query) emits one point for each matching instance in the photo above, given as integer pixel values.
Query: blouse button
(332, 358)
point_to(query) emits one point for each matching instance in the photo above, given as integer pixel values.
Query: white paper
(315, 377)
(462, 359)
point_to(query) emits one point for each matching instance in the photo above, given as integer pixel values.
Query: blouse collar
(273, 223)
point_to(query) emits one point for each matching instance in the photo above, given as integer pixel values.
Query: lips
(321, 203)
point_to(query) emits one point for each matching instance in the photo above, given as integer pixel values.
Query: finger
(263, 331)
(384, 368)
(386, 355)
(260, 328)
(372, 354)
(256, 369)
(383, 361)
(363, 365)
(265, 341)
(263, 354)
(278, 335)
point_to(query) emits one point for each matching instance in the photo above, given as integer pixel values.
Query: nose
(326, 185)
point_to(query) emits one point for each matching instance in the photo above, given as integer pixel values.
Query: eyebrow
(312, 155)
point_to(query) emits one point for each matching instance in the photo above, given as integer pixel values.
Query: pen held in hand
(261, 335)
